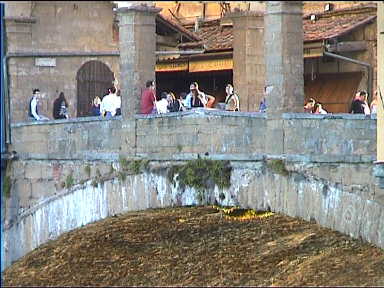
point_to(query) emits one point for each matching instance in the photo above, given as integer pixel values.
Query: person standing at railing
(359, 104)
(60, 107)
(373, 105)
(148, 98)
(110, 103)
(232, 102)
(33, 111)
(197, 98)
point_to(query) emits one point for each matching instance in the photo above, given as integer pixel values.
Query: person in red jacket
(148, 98)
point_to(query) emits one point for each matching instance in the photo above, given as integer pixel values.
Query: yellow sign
(210, 65)
(313, 52)
(172, 67)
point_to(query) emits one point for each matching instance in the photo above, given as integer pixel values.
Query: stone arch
(93, 79)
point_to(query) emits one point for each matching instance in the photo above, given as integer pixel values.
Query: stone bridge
(68, 173)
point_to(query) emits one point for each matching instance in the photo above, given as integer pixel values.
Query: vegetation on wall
(201, 174)
(87, 170)
(7, 185)
(69, 181)
(131, 167)
(277, 166)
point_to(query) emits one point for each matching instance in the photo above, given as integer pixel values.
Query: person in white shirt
(33, 109)
(110, 103)
(319, 109)
(162, 105)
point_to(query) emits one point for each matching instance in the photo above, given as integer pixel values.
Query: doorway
(93, 79)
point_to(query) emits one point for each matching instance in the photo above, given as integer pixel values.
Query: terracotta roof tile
(214, 36)
(192, 36)
(328, 25)
(326, 28)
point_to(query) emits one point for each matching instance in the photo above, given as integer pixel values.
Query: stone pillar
(248, 57)
(137, 34)
(380, 81)
(284, 56)
(284, 68)
(379, 167)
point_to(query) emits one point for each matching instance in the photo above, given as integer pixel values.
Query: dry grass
(199, 246)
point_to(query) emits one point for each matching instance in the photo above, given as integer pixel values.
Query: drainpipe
(3, 146)
(365, 64)
(3, 78)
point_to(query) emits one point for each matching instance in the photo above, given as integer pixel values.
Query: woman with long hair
(60, 107)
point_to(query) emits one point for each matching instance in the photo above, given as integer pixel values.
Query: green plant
(123, 163)
(278, 166)
(135, 166)
(94, 183)
(69, 181)
(122, 176)
(201, 174)
(87, 170)
(179, 148)
(145, 164)
(7, 185)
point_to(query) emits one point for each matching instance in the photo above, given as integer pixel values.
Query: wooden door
(93, 79)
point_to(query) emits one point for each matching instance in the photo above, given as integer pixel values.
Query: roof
(177, 27)
(328, 25)
(213, 35)
(337, 23)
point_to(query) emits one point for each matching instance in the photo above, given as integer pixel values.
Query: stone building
(339, 55)
(68, 46)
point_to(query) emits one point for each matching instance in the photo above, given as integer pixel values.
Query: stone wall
(24, 76)
(75, 166)
(59, 26)
(313, 191)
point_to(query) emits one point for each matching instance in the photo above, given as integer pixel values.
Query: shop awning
(172, 66)
(204, 65)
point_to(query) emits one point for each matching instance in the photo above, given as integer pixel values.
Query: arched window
(93, 79)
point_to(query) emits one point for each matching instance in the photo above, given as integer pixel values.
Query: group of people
(312, 106)
(110, 106)
(60, 107)
(359, 105)
(195, 98)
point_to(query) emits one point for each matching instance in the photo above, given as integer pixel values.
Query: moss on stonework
(134, 166)
(87, 170)
(69, 181)
(277, 166)
(7, 185)
(201, 174)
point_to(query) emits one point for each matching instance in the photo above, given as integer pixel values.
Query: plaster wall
(24, 76)
(59, 23)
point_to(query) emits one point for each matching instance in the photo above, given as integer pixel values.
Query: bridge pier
(284, 67)
(137, 36)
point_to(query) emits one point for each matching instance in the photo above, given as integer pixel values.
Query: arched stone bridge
(67, 172)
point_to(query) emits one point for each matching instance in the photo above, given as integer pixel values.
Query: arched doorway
(93, 79)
